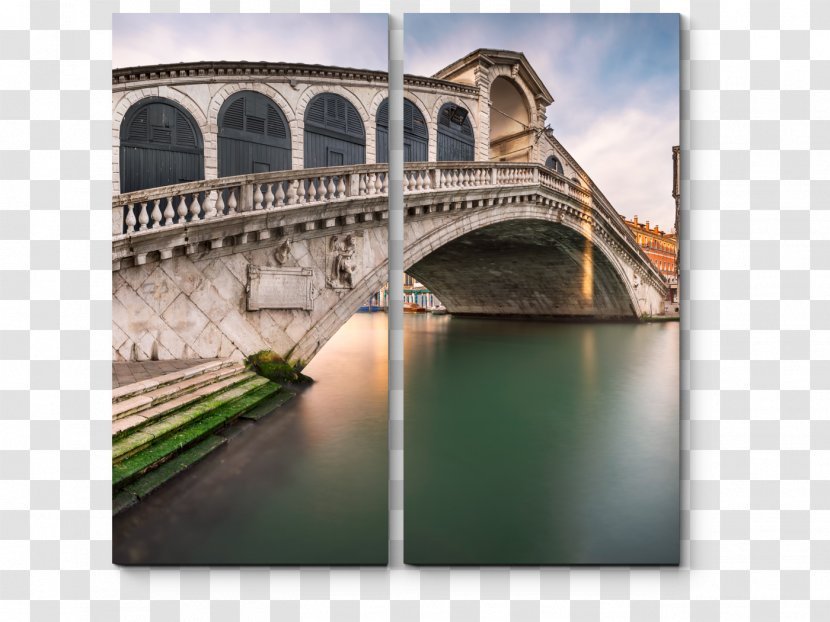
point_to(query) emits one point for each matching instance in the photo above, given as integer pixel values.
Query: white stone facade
(179, 291)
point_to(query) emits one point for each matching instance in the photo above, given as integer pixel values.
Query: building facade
(661, 248)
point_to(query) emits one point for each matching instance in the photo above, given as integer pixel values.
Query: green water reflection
(540, 443)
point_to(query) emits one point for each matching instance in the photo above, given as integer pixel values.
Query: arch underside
(525, 267)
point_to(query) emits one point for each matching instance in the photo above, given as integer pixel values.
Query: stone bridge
(225, 264)
(280, 260)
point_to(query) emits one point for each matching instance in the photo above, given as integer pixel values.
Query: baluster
(371, 184)
(292, 193)
(195, 208)
(168, 211)
(208, 205)
(442, 178)
(156, 214)
(301, 191)
(182, 209)
(220, 203)
(257, 196)
(280, 196)
(312, 191)
(143, 217)
(419, 183)
(341, 188)
(385, 188)
(454, 180)
(378, 184)
(427, 181)
(269, 197)
(463, 178)
(232, 203)
(361, 187)
(129, 218)
(331, 188)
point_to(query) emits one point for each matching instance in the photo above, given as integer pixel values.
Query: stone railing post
(246, 198)
(535, 175)
(494, 176)
(118, 220)
(353, 189)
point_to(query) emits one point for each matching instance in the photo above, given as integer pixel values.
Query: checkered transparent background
(755, 343)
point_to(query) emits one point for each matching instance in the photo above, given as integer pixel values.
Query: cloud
(328, 39)
(614, 79)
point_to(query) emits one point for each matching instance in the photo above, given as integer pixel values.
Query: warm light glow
(588, 270)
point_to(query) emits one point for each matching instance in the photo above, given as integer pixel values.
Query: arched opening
(554, 164)
(456, 142)
(253, 135)
(524, 267)
(334, 133)
(160, 145)
(415, 134)
(511, 137)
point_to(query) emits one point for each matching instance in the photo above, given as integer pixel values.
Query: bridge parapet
(208, 214)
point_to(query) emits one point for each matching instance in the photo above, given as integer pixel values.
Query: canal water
(304, 485)
(540, 443)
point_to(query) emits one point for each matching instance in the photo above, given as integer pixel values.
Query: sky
(615, 83)
(614, 77)
(343, 40)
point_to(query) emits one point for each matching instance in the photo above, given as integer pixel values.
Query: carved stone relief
(343, 261)
(283, 251)
(279, 288)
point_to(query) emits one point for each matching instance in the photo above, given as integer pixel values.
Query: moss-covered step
(143, 401)
(146, 484)
(133, 423)
(148, 458)
(269, 405)
(139, 438)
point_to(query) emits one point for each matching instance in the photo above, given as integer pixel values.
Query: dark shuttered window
(455, 134)
(415, 134)
(334, 133)
(253, 135)
(160, 145)
(554, 164)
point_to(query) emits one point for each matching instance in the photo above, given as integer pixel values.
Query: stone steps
(153, 397)
(145, 386)
(144, 452)
(142, 437)
(140, 419)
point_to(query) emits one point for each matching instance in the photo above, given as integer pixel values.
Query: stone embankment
(163, 425)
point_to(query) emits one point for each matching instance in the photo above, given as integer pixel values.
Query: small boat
(370, 309)
(438, 310)
(411, 307)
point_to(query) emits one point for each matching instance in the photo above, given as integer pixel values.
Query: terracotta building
(660, 246)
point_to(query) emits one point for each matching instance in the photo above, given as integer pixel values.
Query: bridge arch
(511, 119)
(599, 270)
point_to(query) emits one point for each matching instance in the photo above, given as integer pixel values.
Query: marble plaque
(279, 288)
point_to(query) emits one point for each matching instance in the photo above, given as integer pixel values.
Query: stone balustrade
(169, 208)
